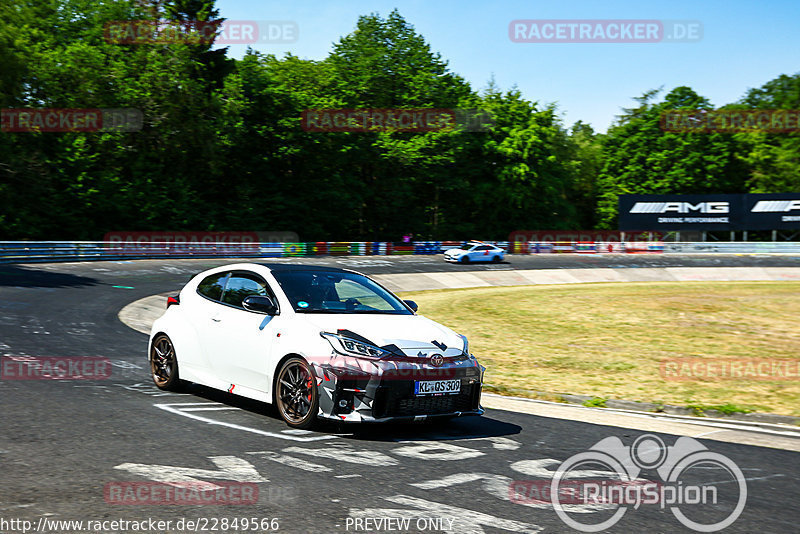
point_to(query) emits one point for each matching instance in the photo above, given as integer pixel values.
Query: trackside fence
(49, 251)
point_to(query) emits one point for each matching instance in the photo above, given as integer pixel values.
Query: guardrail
(586, 247)
(656, 247)
(735, 247)
(51, 251)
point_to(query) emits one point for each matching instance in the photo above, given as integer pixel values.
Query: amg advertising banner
(679, 212)
(776, 211)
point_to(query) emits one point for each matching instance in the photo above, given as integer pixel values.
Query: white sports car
(475, 251)
(316, 342)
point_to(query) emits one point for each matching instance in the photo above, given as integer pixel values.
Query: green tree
(586, 163)
(773, 158)
(639, 157)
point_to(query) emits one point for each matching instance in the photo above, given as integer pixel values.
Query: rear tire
(164, 364)
(296, 395)
(496, 259)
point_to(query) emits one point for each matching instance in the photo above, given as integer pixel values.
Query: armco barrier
(49, 251)
(587, 247)
(643, 248)
(734, 247)
(295, 249)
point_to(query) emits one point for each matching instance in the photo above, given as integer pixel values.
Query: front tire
(465, 259)
(164, 364)
(296, 394)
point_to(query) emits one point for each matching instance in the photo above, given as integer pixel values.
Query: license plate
(437, 387)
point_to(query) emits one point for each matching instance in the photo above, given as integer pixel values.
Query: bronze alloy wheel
(296, 394)
(163, 363)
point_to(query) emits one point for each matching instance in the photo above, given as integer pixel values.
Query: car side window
(243, 285)
(212, 286)
(483, 247)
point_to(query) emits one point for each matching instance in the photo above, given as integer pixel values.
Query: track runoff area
(101, 450)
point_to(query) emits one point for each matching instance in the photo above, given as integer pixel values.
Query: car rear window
(243, 285)
(212, 286)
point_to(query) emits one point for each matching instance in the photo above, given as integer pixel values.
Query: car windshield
(334, 292)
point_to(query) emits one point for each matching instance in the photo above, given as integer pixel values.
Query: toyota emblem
(437, 360)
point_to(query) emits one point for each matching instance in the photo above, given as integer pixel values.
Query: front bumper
(359, 390)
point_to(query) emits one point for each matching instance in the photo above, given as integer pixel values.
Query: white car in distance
(475, 251)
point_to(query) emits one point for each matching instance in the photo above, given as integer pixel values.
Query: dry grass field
(609, 340)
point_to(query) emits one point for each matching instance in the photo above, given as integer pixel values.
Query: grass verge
(609, 340)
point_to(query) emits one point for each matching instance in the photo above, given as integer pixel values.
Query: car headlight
(353, 347)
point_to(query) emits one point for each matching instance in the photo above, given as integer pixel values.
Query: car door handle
(215, 319)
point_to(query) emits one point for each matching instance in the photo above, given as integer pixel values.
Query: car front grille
(398, 400)
(435, 405)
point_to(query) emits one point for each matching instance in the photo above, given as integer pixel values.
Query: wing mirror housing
(411, 304)
(260, 304)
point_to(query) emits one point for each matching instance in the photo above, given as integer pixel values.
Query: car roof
(279, 267)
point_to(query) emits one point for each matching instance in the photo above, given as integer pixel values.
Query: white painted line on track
(228, 468)
(727, 426)
(747, 426)
(348, 455)
(749, 479)
(468, 521)
(209, 409)
(176, 409)
(291, 461)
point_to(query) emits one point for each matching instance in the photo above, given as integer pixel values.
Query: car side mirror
(260, 304)
(411, 304)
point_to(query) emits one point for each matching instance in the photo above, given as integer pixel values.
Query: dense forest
(221, 145)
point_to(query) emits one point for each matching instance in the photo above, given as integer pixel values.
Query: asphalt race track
(63, 442)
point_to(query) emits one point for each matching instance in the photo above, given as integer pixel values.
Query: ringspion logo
(682, 468)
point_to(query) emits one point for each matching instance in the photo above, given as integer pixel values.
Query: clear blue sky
(745, 44)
